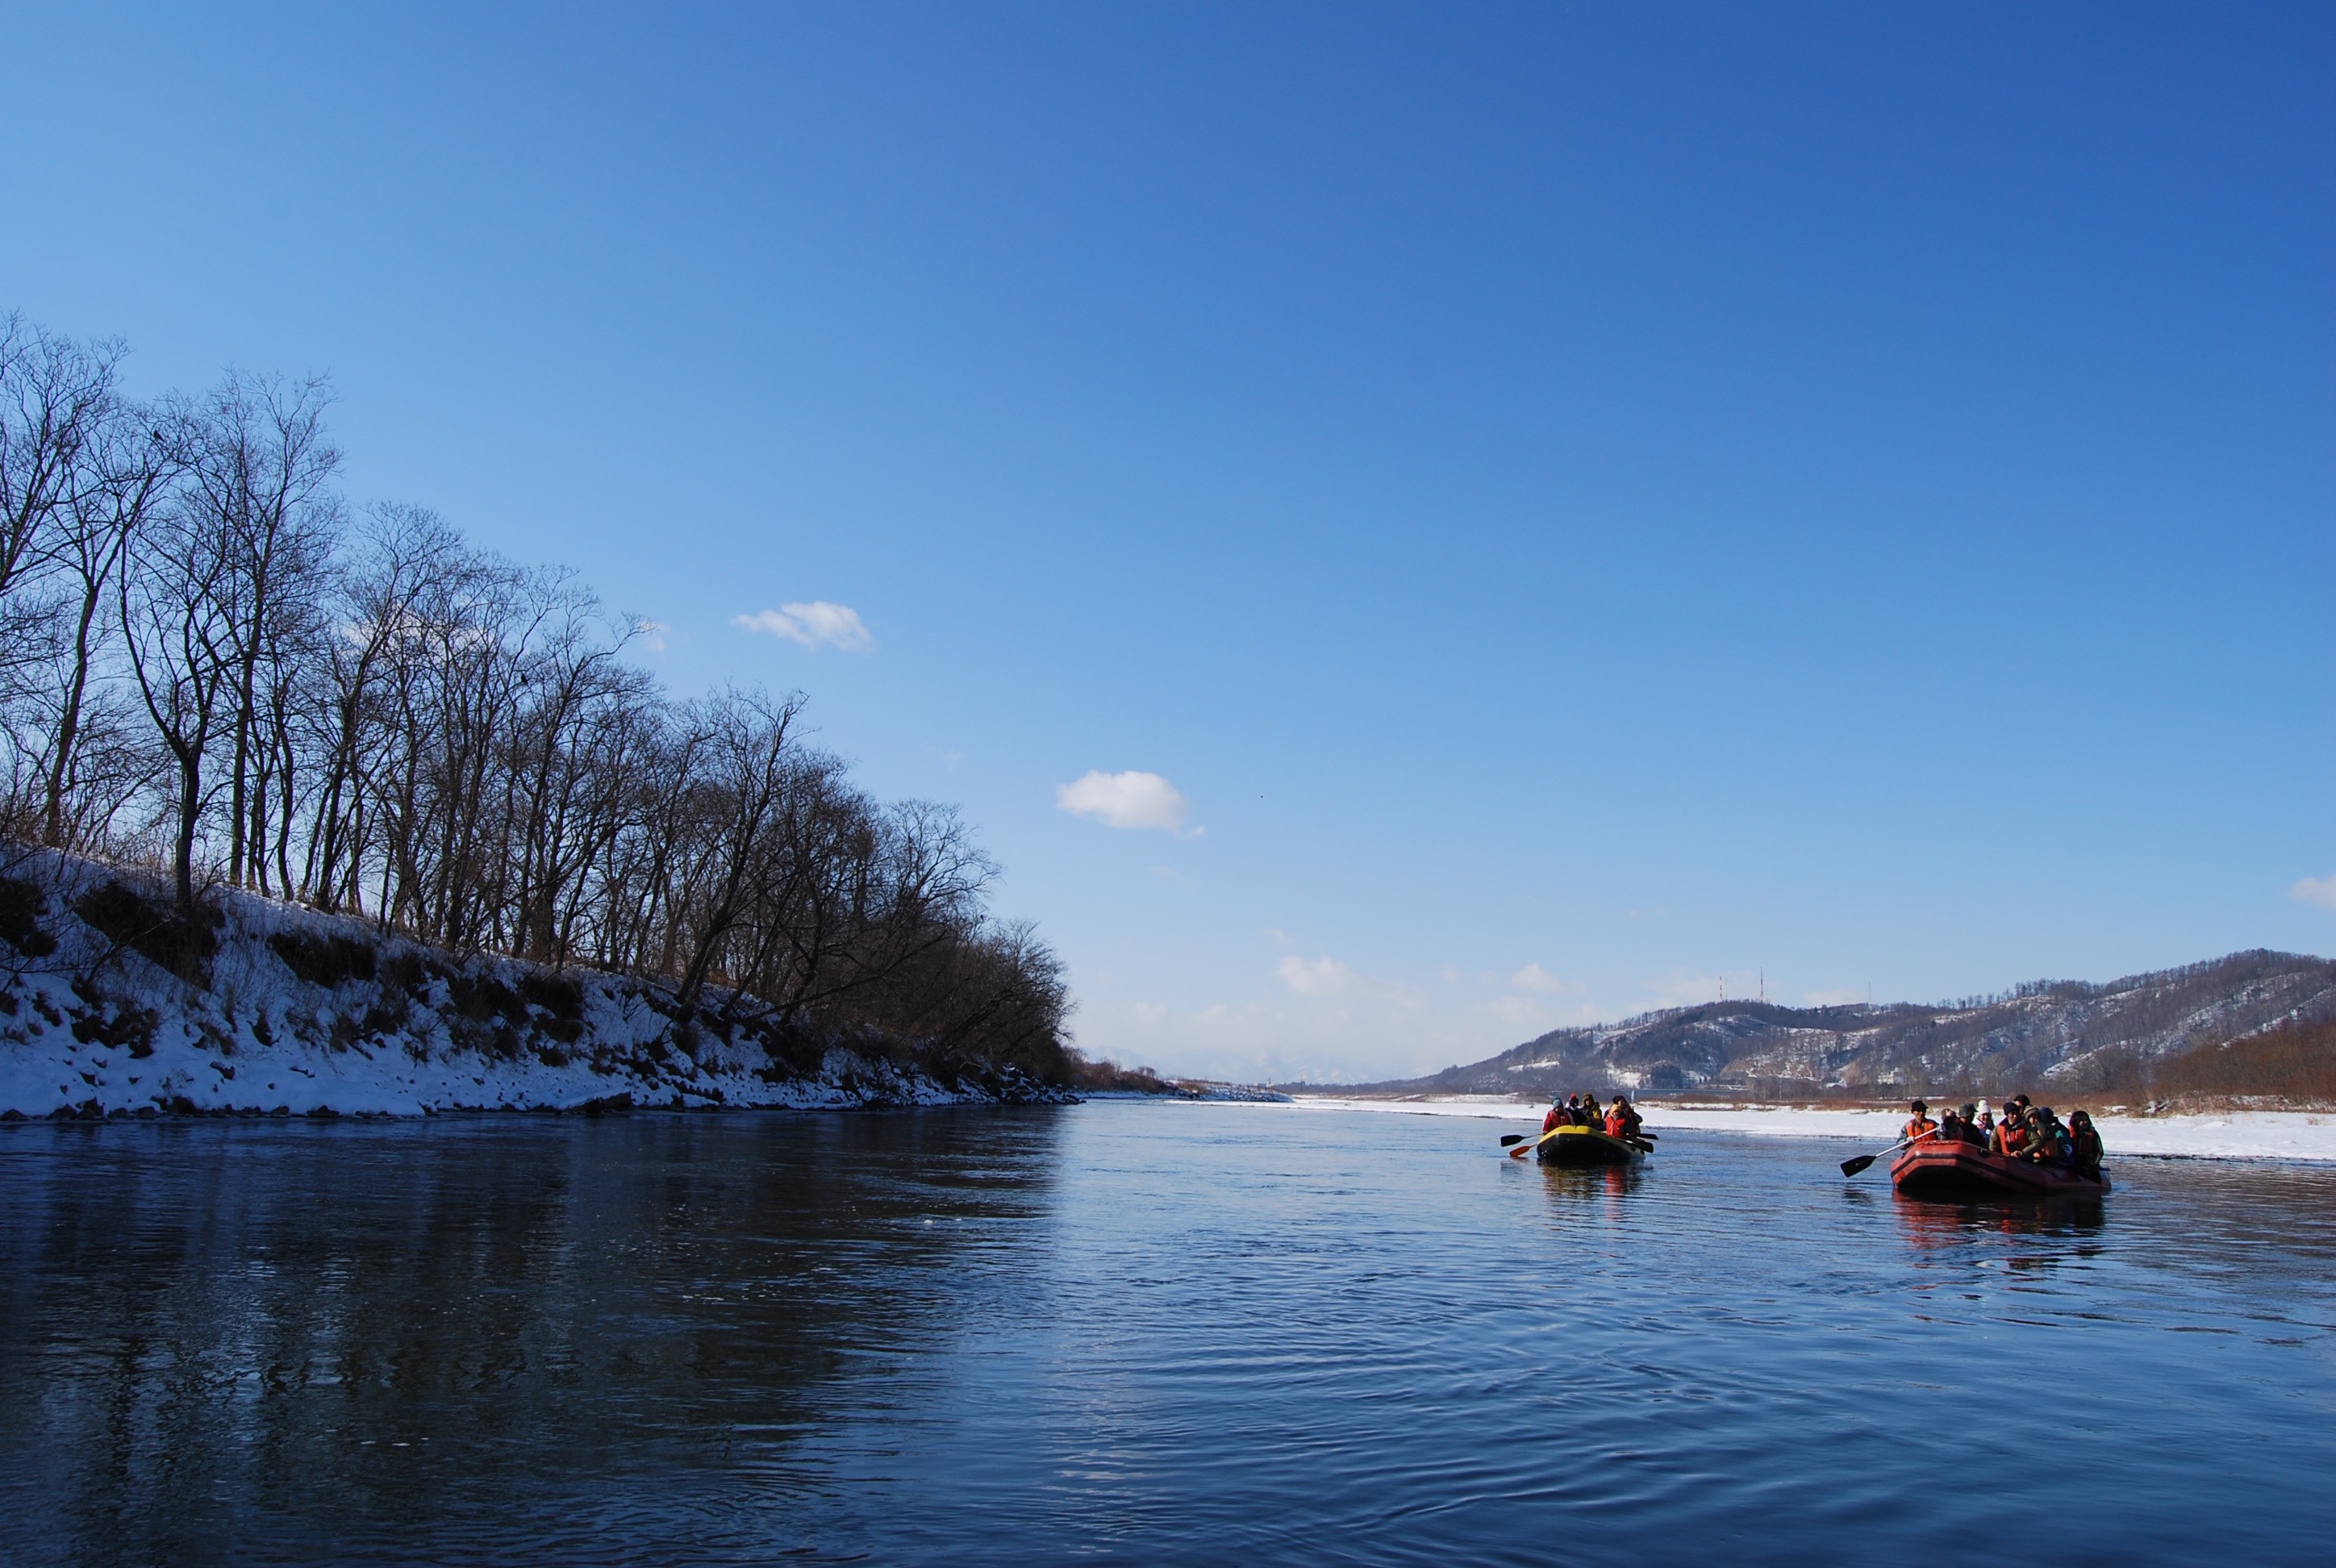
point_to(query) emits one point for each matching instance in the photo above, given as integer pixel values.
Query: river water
(1148, 1333)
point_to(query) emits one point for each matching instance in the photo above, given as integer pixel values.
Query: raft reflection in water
(1930, 1224)
(1572, 1188)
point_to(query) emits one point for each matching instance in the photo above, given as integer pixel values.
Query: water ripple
(1155, 1334)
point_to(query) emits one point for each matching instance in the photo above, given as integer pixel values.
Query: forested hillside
(218, 676)
(2123, 1036)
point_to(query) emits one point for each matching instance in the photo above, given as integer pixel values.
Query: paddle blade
(1508, 1138)
(1851, 1167)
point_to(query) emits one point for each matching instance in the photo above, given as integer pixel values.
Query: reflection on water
(1606, 1185)
(237, 1321)
(1145, 1333)
(1938, 1224)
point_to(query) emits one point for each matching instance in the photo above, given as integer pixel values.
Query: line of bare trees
(210, 662)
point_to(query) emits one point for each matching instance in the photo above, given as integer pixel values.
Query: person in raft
(1622, 1121)
(1559, 1115)
(2011, 1132)
(1918, 1125)
(1972, 1131)
(2048, 1140)
(2084, 1146)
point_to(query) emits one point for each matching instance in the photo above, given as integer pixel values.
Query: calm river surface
(1144, 1333)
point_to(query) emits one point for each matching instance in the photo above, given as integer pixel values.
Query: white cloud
(1518, 1012)
(1125, 800)
(1839, 997)
(1326, 976)
(652, 634)
(2317, 892)
(1322, 977)
(816, 625)
(1534, 978)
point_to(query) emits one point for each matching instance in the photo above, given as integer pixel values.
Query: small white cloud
(1534, 978)
(2317, 892)
(1150, 1012)
(1518, 1012)
(1125, 800)
(652, 634)
(1322, 977)
(816, 625)
(1839, 997)
(1326, 976)
(1279, 938)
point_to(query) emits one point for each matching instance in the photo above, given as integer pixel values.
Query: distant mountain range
(2062, 1033)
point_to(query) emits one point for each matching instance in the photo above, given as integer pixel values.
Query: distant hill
(2066, 1034)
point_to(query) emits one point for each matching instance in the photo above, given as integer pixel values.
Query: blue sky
(1580, 504)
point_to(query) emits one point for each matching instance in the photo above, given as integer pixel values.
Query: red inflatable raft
(1932, 1169)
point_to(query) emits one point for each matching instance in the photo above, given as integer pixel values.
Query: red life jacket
(1615, 1126)
(1917, 1128)
(1550, 1122)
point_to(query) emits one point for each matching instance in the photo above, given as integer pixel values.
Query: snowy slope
(2063, 1033)
(296, 1013)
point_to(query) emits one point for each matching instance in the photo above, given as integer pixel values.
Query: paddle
(1508, 1138)
(1851, 1167)
(1524, 1148)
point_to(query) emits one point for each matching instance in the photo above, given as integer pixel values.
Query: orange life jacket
(1917, 1128)
(1615, 1124)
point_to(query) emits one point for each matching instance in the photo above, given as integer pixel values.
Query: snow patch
(2237, 1135)
(298, 1013)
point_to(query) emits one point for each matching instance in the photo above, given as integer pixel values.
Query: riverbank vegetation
(215, 667)
(2293, 1065)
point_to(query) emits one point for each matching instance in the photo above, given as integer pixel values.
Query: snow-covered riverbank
(298, 1013)
(2235, 1135)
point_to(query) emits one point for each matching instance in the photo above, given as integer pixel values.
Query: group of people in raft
(2026, 1132)
(1617, 1120)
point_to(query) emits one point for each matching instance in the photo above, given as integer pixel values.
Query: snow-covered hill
(289, 1012)
(2064, 1033)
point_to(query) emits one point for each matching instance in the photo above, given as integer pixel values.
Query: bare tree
(373, 611)
(747, 773)
(54, 392)
(122, 469)
(178, 614)
(257, 464)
